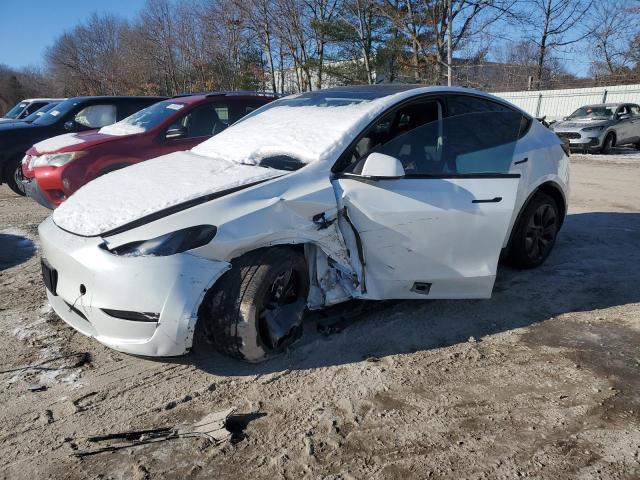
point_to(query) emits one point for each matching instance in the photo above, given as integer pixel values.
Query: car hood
(150, 188)
(578, 124)
(70, 142)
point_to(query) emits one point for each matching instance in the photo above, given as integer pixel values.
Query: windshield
(60, 110)
(599, 112)
(15, 111)
(145, 119)
(38, 113)
(303, 128)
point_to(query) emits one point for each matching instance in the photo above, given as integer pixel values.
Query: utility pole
(449, 37)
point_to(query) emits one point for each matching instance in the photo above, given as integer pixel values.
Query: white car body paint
(416, 230)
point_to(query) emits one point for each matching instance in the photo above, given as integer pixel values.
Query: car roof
(31, 100)
(123, 97)
(609, 104)
(199, 96)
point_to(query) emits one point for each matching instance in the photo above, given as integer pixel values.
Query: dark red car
(55, 168)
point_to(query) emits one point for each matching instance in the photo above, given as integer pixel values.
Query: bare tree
(555, 24)
(614, 24)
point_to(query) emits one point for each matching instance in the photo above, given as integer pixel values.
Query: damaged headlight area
(168, 244)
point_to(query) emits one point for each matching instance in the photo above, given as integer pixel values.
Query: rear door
(624, 127)
(436, 232)
(635, 123)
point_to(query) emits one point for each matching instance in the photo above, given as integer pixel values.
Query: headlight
(168, 244)
(592, 129)
(55, 159)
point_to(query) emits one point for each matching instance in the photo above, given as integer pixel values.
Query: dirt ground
(541, 381)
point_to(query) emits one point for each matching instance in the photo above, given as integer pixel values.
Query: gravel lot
(541, 381)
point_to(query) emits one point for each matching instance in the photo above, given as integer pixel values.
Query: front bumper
(33, 191)
(582, 140)
(170, 287)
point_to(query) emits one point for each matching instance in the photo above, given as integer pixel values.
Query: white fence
(555, 104)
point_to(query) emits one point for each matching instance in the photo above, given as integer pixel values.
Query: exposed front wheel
(13, 177)
(255, 310)
(535, 233)
(607, 145)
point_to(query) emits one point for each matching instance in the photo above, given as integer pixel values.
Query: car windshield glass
(38, 113)
(154, 115)
(144, 120)
(305, 127)
(15, 111)
(593, 112)
(56, 113)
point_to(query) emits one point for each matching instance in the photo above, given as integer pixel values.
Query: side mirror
(70, 125)
(379, 165)
(565, 118)
(623, 116)
(175, 132)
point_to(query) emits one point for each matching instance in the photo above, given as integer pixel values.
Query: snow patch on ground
(308, 133)
(47, 369)
(122, 128)
(133, 192)
(56, 143)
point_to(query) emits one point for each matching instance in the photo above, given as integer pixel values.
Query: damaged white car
(376, 192)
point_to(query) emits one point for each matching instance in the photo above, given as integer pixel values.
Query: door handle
(488, 200)
(524, 160)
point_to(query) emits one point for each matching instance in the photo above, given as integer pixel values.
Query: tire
(607, 145)
(255, 310)
(535, 233)
(11, 176)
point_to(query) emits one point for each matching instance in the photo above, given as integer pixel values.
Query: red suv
(55, 168)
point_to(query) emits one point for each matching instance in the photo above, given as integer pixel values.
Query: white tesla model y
(376, 192)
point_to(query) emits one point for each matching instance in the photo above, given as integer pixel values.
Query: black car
(33, 116)
(73, 115)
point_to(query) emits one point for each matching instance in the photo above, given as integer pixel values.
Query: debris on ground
(212, 427)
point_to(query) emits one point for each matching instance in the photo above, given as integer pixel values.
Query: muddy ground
(541, 381)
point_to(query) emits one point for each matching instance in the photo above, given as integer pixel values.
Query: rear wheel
(13, 176)
(535, 233)
(255, 310)
(607, 145)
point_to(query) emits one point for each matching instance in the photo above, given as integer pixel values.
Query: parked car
(370, 192)
(72, 115)
(26, 107)
(55, 168)
(32, 116)
(601, 127)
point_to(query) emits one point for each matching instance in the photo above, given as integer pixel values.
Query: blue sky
(27, 27)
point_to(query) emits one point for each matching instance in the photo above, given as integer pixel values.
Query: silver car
(601, 127)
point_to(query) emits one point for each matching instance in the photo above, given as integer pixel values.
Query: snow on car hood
(122, 128)
(56, 143)
(125, 195)
(307, 133)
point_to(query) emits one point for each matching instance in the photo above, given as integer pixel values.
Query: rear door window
(205, 120)
(480, 135)
(96, 116)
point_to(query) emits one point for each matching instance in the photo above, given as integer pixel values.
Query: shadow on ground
(14, 250)
(595, 265)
